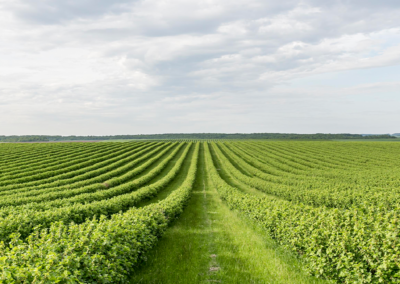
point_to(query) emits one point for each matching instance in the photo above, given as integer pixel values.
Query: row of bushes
(30, 156)
(75, 175)
(78, 159)
(313, 190)
(100, 173)
(344, 245)
(16, 200)
(98, 251)
(76, 209)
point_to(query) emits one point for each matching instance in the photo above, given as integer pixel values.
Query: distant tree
(279, 136)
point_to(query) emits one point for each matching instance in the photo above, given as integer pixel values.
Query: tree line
(285, 136)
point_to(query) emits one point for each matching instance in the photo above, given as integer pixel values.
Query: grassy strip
(211, 244)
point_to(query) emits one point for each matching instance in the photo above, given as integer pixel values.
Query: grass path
(211, 244)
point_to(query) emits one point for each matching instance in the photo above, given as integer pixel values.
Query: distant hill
(396, 134)
(289, 136)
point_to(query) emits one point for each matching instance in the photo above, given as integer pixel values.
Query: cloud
(181, 65)
(56, 12)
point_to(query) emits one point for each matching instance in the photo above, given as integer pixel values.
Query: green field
(241, 211)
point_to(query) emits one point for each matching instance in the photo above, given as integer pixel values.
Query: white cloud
(205, 66)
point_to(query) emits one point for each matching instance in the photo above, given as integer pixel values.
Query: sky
(108, 67)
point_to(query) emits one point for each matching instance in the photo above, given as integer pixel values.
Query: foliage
(96, 251)
(68, 211)
(347, 245)
(317, 136)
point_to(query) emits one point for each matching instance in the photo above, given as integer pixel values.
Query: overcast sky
(103, 67)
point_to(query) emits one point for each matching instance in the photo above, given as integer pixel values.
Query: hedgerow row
(97, 251)
(345, 245)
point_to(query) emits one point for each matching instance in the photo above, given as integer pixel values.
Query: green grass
(211, 244)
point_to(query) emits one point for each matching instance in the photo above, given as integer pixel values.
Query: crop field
(222, 211)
